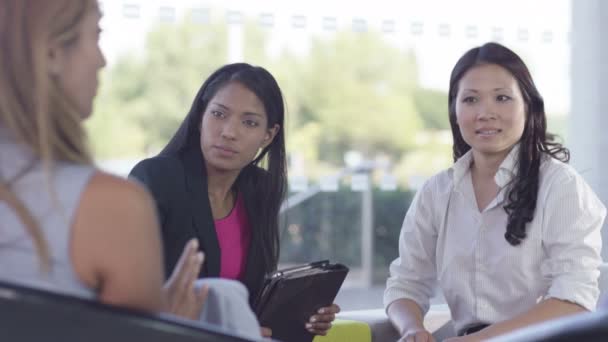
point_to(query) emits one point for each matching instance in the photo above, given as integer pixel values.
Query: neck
(220, 184)
(486, 165)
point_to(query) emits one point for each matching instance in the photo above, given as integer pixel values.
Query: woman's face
(234, 128)
(490, 109)
(76, 66)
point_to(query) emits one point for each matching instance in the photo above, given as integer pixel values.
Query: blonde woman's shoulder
(113, 191)
(116, 244)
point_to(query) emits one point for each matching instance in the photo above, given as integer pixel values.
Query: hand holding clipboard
(290, 296)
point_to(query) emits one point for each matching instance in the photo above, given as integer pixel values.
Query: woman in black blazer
(213, 163)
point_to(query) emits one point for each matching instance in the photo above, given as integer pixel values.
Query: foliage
(143, 98)
(353, 91)
(433, 107)
(360, 91)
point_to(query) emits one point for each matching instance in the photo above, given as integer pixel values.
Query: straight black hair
(263, 182)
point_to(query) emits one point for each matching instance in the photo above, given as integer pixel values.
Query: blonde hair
(33, 107)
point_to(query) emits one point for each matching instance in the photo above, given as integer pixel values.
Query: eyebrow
(227, 108)
(220, 105)
(495, 89)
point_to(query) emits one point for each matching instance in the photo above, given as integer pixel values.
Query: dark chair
(592, 326)
(28, 314)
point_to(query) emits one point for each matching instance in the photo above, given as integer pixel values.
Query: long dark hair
(263, 190)
(535, 140)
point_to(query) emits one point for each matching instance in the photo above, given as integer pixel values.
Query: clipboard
(290, 296)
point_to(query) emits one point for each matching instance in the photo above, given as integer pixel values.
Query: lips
(487, 131)
(225, 149)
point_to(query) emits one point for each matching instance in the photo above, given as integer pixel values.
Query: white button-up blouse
(446, 240)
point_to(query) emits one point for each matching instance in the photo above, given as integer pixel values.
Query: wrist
(412, 329)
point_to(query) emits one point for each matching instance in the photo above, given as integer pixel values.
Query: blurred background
(365, 83)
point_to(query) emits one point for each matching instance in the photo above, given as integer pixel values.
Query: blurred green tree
(143, 98)
(433, 107)
(352, 91)
(359, 91)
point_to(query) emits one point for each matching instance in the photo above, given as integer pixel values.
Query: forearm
(546, 310)
(405, 314)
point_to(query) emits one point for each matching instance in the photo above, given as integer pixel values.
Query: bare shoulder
(116, 242)
(117, 191)
(110, 203)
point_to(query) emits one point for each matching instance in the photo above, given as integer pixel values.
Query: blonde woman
(64, 225)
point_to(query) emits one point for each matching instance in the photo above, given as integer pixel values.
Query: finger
(201, 295)
(202, 259)
(332, 309)
(323, 318)
(189, 273)
(196, 303)
(422, 337)
(193, 270)
(266, 332)
(319, 326)
(182, 287)
(189, 249)
(318, 331)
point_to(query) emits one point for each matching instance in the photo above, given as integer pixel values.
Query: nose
(486, 111)
(101, 58)
(229, 129)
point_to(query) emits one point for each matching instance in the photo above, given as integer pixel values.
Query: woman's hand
(417, 335)
(467, 338)
(182, 298)
(266, 332)
(320, 323)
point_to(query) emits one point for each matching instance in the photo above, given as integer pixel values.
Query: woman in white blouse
(510, 232)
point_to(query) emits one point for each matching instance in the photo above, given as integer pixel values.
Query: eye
(251, 123)
(217, 114)
(469, 99)
(503, 98)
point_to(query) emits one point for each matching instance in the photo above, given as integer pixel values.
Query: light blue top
(53, 206)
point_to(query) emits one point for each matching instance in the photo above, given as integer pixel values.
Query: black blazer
(179, 188)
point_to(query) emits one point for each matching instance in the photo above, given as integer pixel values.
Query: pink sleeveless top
(234, 236)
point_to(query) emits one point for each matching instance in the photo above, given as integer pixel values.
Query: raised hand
(182, 298)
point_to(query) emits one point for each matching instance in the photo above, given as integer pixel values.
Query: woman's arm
(116, 246)
(546, 310)
(572, 221)
(408, 319)
(413, 274)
